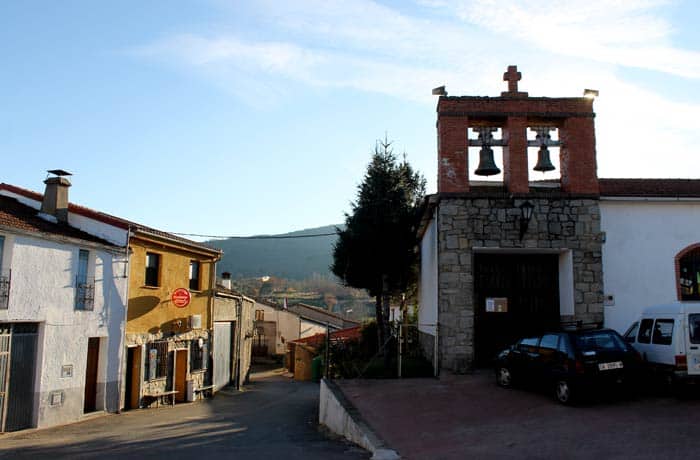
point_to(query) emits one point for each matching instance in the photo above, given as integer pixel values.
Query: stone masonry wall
(464, 223)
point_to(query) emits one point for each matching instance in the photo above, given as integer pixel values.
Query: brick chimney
(226, 280)
(55, 200)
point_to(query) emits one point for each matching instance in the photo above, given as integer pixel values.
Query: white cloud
(625, 32)
(561, 47)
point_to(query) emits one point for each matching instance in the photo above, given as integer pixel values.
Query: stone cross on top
(512, 76)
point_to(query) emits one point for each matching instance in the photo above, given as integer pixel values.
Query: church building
(501, 259)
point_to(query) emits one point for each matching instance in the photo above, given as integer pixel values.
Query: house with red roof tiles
(168, 323)
(63, 294)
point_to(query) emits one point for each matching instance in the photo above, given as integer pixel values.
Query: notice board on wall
(496, 305)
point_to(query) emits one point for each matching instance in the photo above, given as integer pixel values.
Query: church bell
(487, 167)
(544, 164)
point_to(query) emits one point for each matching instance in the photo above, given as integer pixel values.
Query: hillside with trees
(281, 256)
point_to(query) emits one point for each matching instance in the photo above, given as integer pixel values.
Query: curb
(338, 414)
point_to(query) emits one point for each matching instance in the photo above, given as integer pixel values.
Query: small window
(194, 275)
(528, 344)
(645, 331)
(694, 325)
(549, 341)
(198, 354)
(631, 333)
(663, 332)
(156, 360)
(259, 315)
(152, 269)
(689, 275)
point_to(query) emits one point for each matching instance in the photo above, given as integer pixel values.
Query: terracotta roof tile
(14, 214)
(109, 219)
(671, 188)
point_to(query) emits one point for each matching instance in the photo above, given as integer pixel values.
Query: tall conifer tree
(375, 251)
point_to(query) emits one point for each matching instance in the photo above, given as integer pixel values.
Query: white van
(668, 337)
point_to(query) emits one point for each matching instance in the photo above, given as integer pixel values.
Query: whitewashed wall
(642, 240)
(42, 290)
(288, 327)
(427, 309)
(309, 328)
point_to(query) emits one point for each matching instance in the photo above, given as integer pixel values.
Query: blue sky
(237, 118)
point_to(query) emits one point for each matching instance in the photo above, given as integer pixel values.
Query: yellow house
(169, 318)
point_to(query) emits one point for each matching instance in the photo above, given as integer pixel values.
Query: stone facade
(473, 222)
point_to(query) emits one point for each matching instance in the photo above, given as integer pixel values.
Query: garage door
(223, 345)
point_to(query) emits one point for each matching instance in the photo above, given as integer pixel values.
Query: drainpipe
(239, 344)
(123, 351)
(210, 321)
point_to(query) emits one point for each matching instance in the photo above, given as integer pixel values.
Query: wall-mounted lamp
(590, 93)
(525, 216)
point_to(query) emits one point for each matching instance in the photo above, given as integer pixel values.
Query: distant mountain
(281, 256)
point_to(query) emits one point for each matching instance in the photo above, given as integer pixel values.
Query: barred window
(156, 360)
(198, 354)
(259, 315)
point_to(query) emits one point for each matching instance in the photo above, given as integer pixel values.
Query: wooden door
(530, 283)
(180, 375)
(93, 358)
(133, 378)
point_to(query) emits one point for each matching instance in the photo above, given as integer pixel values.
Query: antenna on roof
(59, 172)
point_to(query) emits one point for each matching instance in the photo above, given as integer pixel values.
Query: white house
(650, 254)
(62, 315)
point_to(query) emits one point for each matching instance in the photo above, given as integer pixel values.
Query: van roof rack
(580, 325)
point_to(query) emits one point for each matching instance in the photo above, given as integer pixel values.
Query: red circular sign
(181, 297)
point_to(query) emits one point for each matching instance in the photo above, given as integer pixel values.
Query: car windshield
(600, 341)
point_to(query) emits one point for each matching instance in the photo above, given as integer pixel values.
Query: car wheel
(562, 391)
(504, 377)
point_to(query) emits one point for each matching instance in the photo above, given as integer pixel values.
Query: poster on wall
(496, 305)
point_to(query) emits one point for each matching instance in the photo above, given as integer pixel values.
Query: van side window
(694, 324)
(631, 333)
(663, 332)
(645, 331)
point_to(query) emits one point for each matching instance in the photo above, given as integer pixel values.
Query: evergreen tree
(375, 251)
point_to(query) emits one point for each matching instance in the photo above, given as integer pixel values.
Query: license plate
(609, 366)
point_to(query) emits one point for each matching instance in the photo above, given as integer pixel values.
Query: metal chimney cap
(59, 172)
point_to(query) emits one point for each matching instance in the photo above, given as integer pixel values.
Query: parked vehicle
(571, 363)
(668, 338)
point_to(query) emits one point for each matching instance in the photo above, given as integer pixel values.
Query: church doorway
(515, 295)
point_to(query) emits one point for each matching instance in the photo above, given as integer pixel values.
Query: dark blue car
(571, 363)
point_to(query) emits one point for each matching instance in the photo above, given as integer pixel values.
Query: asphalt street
(275, 417)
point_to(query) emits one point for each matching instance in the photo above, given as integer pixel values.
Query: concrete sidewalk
(458, 417)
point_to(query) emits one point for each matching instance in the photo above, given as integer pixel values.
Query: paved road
(274, 418)
(460, 417)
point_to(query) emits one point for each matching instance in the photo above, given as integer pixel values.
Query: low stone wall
(338, 415)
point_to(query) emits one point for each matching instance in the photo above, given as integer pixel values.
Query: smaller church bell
(487, 167)
(544, 164)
